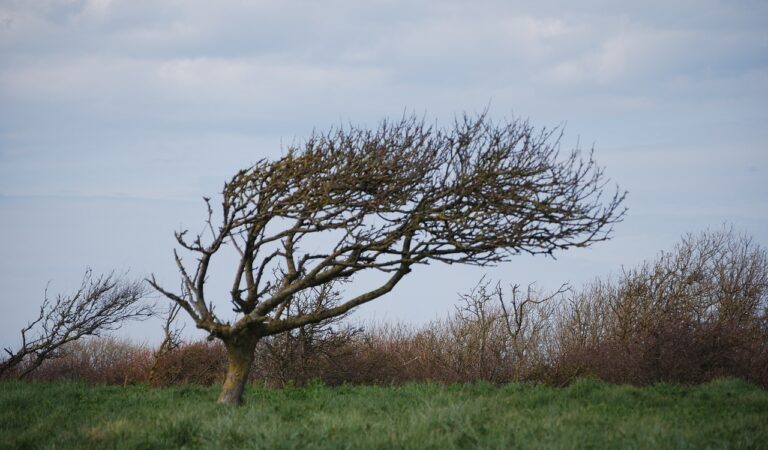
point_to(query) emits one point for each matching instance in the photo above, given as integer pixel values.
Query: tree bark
(240, 357)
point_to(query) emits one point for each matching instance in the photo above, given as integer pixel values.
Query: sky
(117, 117)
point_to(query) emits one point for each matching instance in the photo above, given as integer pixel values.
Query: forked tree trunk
(239, 357)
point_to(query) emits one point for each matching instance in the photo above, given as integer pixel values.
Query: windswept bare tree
(101, 303)
(406, 193)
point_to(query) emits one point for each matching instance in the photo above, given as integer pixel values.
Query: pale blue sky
(116, 117)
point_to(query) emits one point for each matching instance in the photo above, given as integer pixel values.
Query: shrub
(693, 314)
(201, 362)
(98, 360)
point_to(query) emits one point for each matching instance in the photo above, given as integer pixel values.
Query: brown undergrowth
(694, 314)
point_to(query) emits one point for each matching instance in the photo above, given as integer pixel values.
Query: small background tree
(354, 200)
(102, 303)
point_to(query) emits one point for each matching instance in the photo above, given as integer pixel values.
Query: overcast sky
(116, 117)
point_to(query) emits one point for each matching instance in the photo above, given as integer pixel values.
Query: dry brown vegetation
(695, 313)
(98, 360)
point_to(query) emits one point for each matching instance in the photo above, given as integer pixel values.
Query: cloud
(121, 68)
(83, 74)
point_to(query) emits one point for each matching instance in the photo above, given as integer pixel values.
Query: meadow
(725, 413)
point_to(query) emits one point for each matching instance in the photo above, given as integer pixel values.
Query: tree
(354, 200)
(101, 303)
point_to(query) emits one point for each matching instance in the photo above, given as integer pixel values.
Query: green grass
(588, 414)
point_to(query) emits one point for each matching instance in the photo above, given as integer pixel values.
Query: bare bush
(171, 340)
(694, 313)
(104, 359)
(310, 351)
(492, 336)
(498, 336)
(199, 362)
(101, 304)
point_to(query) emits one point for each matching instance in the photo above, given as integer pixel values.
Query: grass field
(588, 414)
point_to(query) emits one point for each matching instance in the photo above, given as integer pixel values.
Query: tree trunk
(240, 357)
